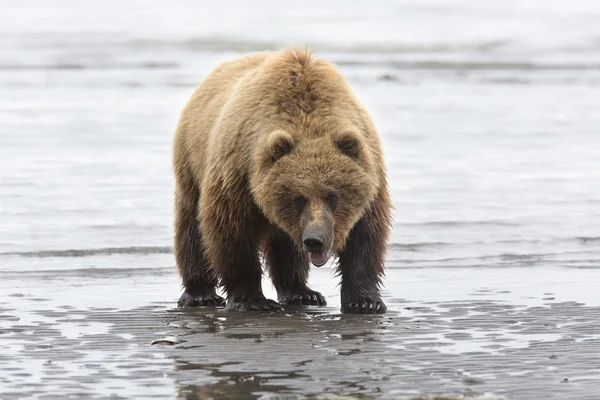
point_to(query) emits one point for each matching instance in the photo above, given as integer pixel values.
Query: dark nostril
(313, 244)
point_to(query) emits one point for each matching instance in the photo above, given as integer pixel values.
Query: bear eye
(299, 203)
(333, 200)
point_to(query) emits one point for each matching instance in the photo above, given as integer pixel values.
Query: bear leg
(198, 281)
(289, 269)
(231, 226)
(241, 276)
(361, 263)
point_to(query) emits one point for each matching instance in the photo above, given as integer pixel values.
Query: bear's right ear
(279, 144)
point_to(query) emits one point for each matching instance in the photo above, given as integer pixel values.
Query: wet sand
(488, 113)
(448, 332)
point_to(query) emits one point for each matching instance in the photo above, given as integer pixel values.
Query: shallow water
(488, 113)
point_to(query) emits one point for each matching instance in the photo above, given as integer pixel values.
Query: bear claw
(308, 298)
(364, 307)
(200, 300)
(253, 304)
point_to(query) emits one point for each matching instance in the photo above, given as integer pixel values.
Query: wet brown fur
(257, 132)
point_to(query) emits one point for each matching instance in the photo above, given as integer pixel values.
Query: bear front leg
(289, 269)
(230, 224)
(198, 281)
(361, 263)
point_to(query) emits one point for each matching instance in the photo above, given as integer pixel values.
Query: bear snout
(317, 242)
(313, 241)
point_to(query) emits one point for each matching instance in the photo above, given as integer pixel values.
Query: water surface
(488, 114)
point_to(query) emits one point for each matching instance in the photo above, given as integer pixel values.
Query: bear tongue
(319, 259)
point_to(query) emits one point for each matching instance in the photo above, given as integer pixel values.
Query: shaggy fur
(267, 145)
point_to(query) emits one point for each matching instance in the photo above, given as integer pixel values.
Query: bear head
(314, 188)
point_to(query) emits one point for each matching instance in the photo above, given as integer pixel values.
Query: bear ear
(349, 143)
(279, 144)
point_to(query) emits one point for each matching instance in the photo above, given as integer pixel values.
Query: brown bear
(274, 154)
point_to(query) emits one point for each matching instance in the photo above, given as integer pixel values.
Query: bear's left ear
(349, 143)
(279, 144)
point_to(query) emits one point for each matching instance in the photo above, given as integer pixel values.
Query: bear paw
(210, 299)
(366, 306)
(252, 304)
(304, 298)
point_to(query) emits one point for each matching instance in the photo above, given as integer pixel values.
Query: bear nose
(313, 242)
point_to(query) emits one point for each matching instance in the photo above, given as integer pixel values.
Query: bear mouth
(319, 259)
